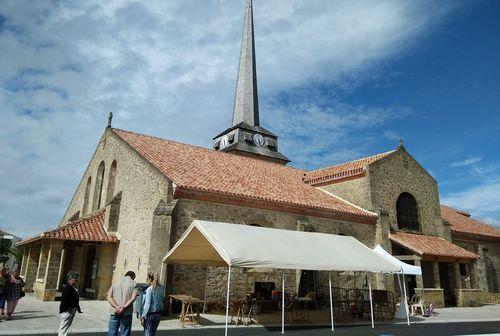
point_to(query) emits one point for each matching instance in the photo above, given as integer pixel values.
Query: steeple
(246, 102)
(246, 137)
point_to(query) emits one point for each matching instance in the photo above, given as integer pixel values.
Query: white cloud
(467, 162)
(159, 65)
(492, 221)
(481, 201)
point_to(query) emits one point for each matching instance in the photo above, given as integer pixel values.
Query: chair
(417, 303)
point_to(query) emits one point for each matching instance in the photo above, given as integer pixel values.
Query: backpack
(139, 300)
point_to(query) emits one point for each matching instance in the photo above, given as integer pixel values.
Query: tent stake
(371, 301)
(227, 297)
(331, 299)
(282, 303)
(406, 304)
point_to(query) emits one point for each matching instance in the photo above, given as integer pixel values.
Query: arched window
(96, 204)
(111, 182)
(407, 210)
(86, 198)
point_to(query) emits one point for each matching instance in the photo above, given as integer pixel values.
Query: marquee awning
(226, 244)
(405, 268)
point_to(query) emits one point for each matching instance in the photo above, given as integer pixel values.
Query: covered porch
(83, 246)
(448, 271)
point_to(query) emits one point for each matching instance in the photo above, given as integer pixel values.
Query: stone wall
(191, 279)
(398, 173)
(487, 275)
(31, 266)
(142, 187)
(106, 254)
(468, 297)
(356, 191)
(490, 298)
(431, 295)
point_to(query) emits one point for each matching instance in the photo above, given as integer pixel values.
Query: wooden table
(240, 307)
(187, 313)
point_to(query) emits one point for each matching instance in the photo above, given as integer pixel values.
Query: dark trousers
(151, 324)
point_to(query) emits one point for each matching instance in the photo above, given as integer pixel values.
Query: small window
(111, 182)
(96, 204)
(407, 212)
(86, 197)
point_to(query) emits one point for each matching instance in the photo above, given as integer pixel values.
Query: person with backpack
(141, 291)
(152, 306)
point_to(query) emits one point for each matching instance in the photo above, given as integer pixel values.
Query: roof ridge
(346, 170)
(209, 149)
(354, 161)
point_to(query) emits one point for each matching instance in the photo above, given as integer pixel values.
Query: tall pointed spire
(246, 102)
(245, 136)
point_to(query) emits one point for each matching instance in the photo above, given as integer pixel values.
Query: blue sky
(338, 80)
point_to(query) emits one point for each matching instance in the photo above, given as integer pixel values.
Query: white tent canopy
(404, 268)
(225, 244)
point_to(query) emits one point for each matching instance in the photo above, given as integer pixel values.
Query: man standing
(70, 304)
(121, 297)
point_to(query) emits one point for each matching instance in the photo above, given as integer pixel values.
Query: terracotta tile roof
(344, 171)
(89, 228)
(234, 179)
(431, 246)
(461, 222)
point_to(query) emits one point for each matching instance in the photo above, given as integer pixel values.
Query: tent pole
(371, 301)
(399, 283)
(227, 297)
(406, 302)
(205, 296)
(161, 273)
(331, 300)
(282, 303)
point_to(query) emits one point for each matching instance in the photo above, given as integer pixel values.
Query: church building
(139, 194)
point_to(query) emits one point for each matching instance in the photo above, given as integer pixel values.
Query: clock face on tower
(224, 142)
(259, 140)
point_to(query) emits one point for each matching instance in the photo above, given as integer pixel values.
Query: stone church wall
(191, 279)
(356, 191)
(398, 173)
(142, 188)
(488, 266)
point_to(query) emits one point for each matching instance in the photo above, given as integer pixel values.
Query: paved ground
(35, 317)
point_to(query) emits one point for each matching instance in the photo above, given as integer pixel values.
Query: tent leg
(161, 272)
(399, 282)
(406, 302)
(227, 297)
(331, 299)
(205, 296)
(282, 303)
(371, 302)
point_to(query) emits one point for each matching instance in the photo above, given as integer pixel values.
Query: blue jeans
(123, 323)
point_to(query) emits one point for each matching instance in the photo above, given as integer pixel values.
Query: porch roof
(90, 228)
(431, 246)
